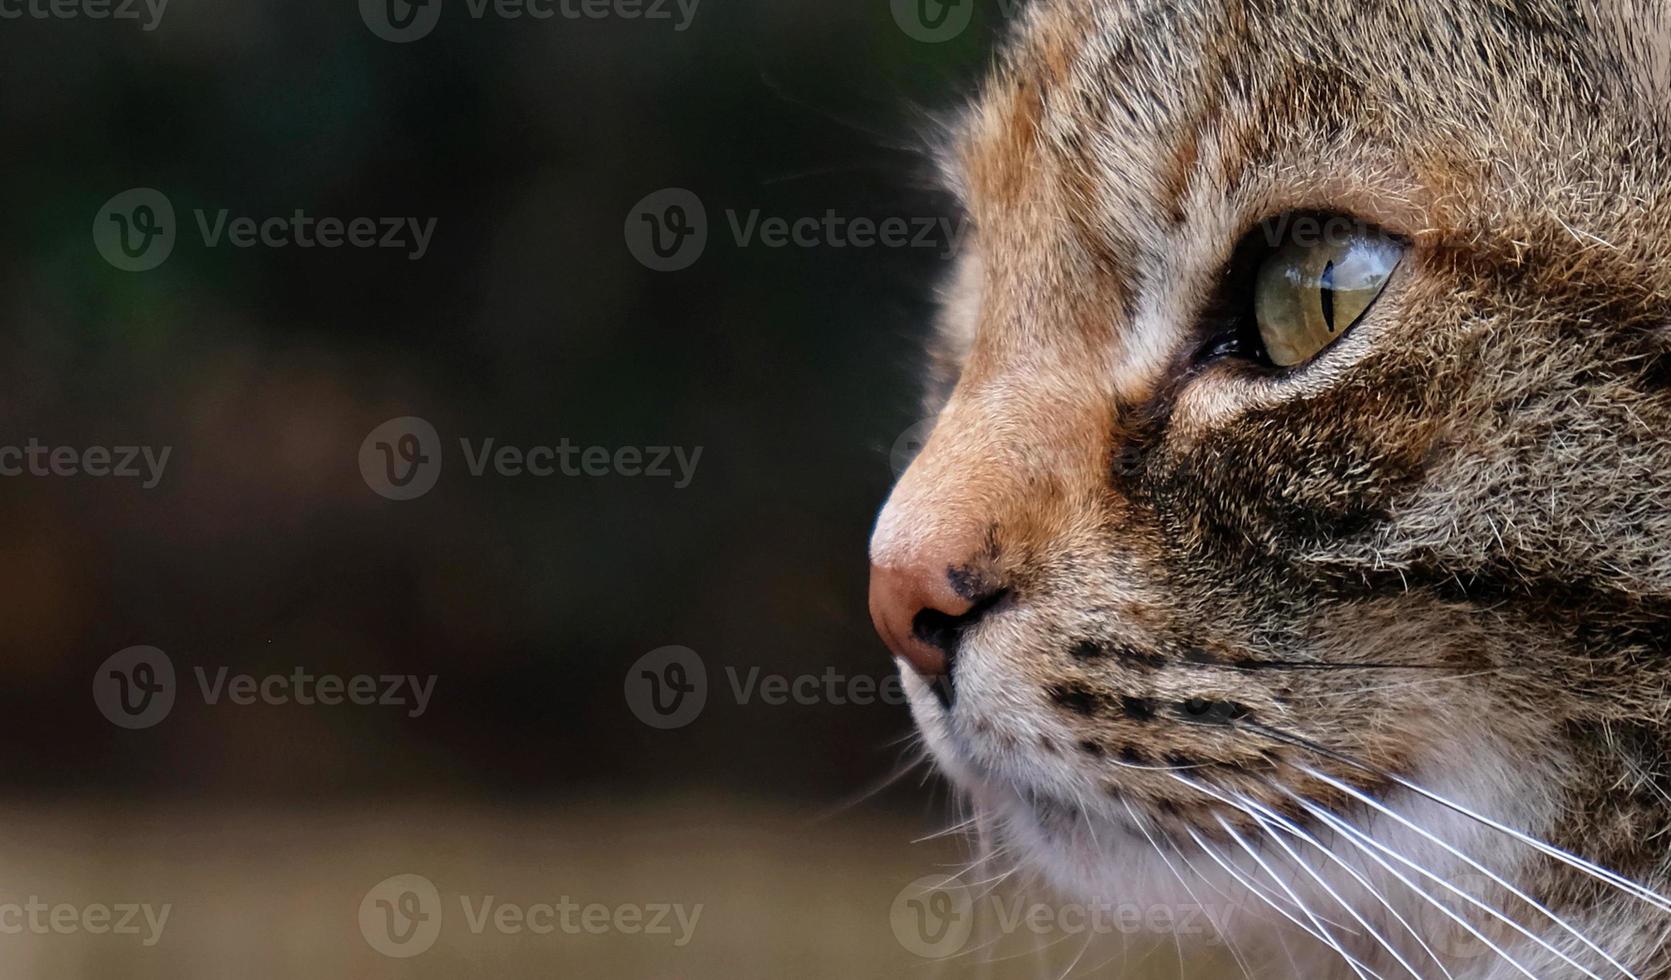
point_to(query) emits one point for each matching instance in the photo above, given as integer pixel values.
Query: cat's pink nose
(911, 606)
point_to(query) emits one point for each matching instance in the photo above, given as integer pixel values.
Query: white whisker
(1482, 869)
(1178, 875)
(1360, 969)
(1252, 888)
(1364, 842)
(1565, 857)
(1244, 803)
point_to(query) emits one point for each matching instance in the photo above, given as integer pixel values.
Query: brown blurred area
(757, 892)
(262, 550)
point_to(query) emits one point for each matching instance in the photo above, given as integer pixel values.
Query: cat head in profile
(1296, 520)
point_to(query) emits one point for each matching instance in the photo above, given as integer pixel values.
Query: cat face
(1306, 429)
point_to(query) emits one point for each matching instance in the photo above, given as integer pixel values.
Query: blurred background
(543, 287)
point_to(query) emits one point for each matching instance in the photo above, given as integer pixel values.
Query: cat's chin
(1075, 864)
(1080, 853)
(1031, 815)
(1069, 854)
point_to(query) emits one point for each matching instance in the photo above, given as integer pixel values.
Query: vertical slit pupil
(1329, 295)
(1327, 285)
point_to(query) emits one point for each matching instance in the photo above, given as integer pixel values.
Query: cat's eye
(1313, 288)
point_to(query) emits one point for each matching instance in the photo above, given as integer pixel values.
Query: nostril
(944, 631)
(938, 630)
(922, 610)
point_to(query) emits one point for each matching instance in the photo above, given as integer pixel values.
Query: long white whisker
(1243, 803)
(951, 831)
(1293, 828)
(1178, 875)
(1482, 869)
(1228, 901)
(1360, 969)
(1565, 857)
(1343, 903)
(1364, 842)
(1254, 889)
(1264, 894)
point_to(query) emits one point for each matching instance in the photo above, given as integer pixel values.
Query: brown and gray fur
(1441, 550)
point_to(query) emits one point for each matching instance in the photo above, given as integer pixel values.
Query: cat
(1294, 533)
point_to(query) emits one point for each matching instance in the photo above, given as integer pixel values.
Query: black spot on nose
(1138, 709)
